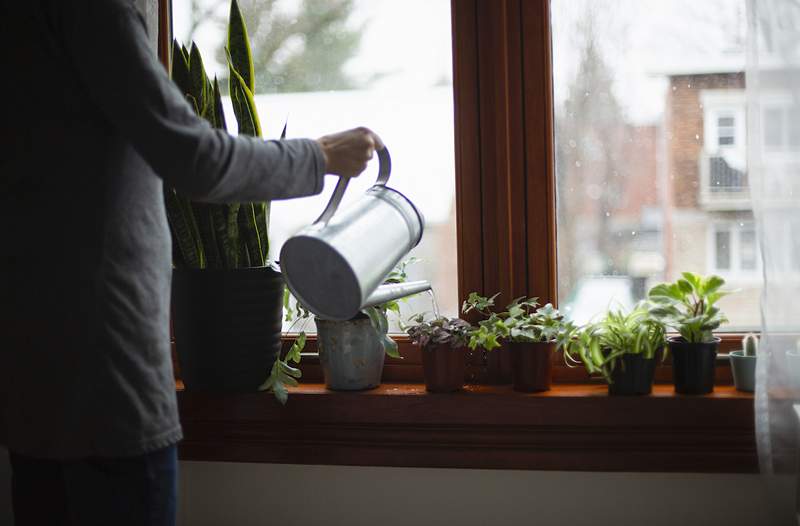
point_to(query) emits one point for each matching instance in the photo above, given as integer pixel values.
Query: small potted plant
(351, 352)
(532, 332)
(621, 348)
(743, 364)
(442, 343)
(689, 306)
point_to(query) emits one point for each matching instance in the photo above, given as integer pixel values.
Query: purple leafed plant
(454, 332)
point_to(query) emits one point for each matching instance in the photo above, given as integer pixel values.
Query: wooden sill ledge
(571, 427)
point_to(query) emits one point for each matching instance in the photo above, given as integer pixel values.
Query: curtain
(773, 99)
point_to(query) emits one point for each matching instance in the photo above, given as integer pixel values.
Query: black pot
(633, 375)
(227, 326)
(693, 365)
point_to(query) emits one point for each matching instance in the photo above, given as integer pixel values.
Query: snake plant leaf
(285, 125)
(244, 106)
(197, 76)
(250, 234)
(262, 225)
(226, 246)
(239, 46)
(233, 234)
(184, 230)
(205, 224)
(219, 112)
(180, 69)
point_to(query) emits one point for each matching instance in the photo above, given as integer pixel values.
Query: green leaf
(239, 47)
(198, 81)
(180, 69)
(185, 234)
(219, 111)
(251, 235)
(244, 105)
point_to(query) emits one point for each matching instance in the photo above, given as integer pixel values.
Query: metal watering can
(335, 266)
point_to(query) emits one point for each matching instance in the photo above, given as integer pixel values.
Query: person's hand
(347, 152)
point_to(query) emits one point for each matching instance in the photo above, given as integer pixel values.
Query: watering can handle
(384, 169)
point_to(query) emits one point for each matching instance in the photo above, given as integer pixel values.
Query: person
(92, 129)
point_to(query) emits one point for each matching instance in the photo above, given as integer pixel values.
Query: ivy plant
(522, 321)
(599, 345)
(688, 305)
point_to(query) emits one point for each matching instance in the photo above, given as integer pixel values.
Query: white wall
(259, 494)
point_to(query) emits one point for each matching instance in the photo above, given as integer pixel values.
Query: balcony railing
(723, 187)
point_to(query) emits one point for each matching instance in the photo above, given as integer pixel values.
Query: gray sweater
(91, 127)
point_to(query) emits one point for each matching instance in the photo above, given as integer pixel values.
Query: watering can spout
(396, 291)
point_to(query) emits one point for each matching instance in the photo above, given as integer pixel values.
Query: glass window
(323, 67)
(639, 85)
(773, 127)
(793, 121)
(726, 131)
(748, 253)
(722, 250)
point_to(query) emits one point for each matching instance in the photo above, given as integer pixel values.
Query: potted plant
(532, 332)
(351, 352)
(621, 348)
(743, 364)
(226, 298)
(442, 341)
(689, 306)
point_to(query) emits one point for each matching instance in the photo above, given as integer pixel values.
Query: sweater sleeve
(106, 41)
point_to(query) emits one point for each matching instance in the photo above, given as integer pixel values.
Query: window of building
(726, 130)
(734, 250)
(781, 127)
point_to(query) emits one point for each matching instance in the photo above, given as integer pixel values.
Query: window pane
(725, 121)
(747, 248)
(793, 119)
(773, 127)
(336, 65)
(648, 97)
(722, 250)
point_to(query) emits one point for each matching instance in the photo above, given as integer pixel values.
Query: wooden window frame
(506, 229)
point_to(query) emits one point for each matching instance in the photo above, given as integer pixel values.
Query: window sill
(571, 427)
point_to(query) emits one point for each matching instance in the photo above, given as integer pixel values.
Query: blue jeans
(129, 491)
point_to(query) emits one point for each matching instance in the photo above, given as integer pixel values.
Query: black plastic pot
(227, 326)
(632, 376)
(693, 365)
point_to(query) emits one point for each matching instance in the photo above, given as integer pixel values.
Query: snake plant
(207, 235)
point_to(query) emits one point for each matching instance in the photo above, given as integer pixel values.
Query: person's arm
(107, 42)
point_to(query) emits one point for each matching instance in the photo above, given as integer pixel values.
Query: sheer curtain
(773, 90)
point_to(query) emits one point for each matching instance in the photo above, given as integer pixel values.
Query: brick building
(708, 220)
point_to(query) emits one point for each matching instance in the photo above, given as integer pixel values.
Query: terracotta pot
(444, 368)
(693, 365)
(532, 366)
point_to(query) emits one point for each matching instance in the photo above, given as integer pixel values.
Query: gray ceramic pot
(351, 354)
(744, 371)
